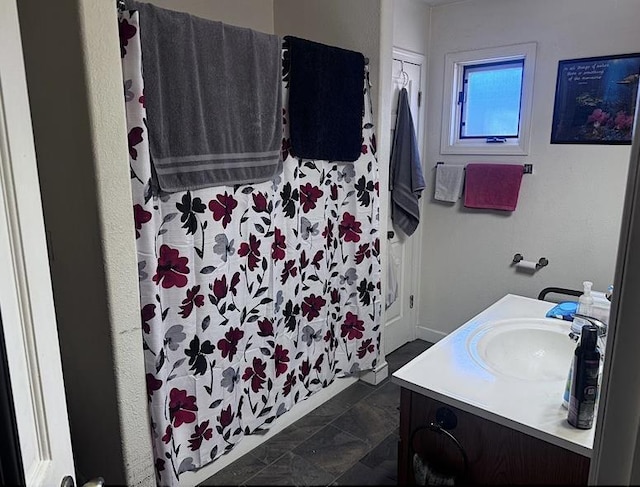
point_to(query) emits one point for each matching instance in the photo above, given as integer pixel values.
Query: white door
(26, 300)
(616, 449)
(404, 253)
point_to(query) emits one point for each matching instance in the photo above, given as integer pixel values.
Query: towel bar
(526, 168)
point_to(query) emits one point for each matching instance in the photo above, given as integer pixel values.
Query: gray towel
(449, 182)
(213, 98)
(407, 180)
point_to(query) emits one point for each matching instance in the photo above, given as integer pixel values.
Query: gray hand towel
(213, 98)
(407, 180)
(449, 182)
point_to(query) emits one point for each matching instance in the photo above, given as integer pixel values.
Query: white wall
(411, 19)
(568, 211)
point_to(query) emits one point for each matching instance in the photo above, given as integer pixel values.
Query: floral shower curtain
(253, 297)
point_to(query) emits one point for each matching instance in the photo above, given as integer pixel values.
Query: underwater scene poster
(596, 100)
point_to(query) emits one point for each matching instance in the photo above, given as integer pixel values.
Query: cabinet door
(496, 454)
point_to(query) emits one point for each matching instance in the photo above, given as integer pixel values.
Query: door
(26, 302)
(404, 252)
(616, 448)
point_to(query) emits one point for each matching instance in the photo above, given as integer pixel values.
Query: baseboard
(377, 375)
(429, 335)
(248, 443)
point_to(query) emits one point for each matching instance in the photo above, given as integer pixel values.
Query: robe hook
(404, 74)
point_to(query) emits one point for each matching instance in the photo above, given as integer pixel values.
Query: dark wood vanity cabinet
(496, 454)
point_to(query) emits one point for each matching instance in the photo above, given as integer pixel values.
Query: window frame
(464, 111)
(451, 141)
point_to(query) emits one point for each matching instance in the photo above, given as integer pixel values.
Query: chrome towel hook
(403, 74)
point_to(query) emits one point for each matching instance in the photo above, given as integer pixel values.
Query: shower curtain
(253, 297)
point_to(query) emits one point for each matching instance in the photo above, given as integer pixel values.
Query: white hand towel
(449, 181)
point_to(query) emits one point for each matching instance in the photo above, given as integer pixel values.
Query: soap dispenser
(585, 305)
(584, 383)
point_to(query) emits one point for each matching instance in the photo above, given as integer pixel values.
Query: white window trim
(451, 143)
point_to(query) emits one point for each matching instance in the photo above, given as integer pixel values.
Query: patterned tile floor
(349, 440)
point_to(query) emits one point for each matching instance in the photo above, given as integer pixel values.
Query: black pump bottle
(584, 386)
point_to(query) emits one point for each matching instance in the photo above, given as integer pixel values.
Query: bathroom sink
(533, 349)
(507, 364)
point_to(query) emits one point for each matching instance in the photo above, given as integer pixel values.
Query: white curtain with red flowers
(253, 297)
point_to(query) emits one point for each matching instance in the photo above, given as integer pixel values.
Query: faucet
(602, 328)
(602, 332)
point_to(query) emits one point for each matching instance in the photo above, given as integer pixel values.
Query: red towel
(492, 186)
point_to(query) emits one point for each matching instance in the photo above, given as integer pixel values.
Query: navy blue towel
(326, 101)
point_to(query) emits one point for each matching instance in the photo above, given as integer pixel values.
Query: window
(487, 103)
(490, 100)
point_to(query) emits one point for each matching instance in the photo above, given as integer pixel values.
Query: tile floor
(349, 440)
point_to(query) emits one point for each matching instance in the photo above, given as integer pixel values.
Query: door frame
(414, 243)
(26, 297)
(11, 467)
(616, 445)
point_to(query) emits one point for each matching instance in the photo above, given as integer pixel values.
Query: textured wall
(117, 239)
(569, 211)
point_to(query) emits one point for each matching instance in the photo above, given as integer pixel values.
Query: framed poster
(596, 100)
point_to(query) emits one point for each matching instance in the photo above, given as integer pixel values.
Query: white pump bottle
(585, 307)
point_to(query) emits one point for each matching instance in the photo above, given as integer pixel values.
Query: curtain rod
(121, 6)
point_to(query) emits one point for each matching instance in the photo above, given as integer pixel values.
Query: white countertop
(447, 373)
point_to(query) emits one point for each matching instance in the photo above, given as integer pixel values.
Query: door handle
(69, 482)
(390, 234)
(97, 482)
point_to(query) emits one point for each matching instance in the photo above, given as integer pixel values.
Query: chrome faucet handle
(602, 328)
(574, 336)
